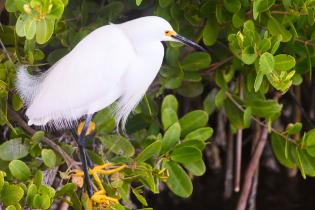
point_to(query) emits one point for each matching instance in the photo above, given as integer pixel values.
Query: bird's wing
(85, 79)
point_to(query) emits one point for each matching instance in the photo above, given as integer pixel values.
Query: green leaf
(191, 89)
(41, 201)
(95, 157)
(118, 145)
(202, 134)
(209, 102)
(47, 190)
(294, 128)
(11, 207)
(165, 3)
(56, 10)
(150, 151)
(219, 98)
(178, 181)
(19, 170)
(49, 158)
(197, 168)
(278, 144)
(140, 197)
(210, 32)
(275, 28)
(266, 63)
(20, 4)
(269, 109)
(10, 6)
(232, 6)
(264, 45)
(170, 102)
(44, 30)
(145, 173)
(17, 102)
(234, 114)
(261, 6)
(284, 62)
(258, 81)
(247, 117)
(2, 175)
(38, 178)
(11, 194)
(305, 163)
(13, 150)
(249, 55)
(310, 142)
(276, 43)
(192, 121)
(200, 145)
(67, 189)
(171, 137)
(138, 2)
(31, 192)
(30, 28)
(169, 117)
(38, 136)
(238, 19)
(186, 154)
(19, 26)
(196, 61)
(118, 207)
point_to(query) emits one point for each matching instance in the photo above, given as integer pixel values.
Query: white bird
(114, 63)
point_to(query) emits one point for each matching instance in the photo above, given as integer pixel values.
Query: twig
(228, 183)
(229, 95)
(239, 136)
(238, 160)
(18, 119)
(6, 51)
(251, 169)
(216, 65)
(252, 196)
(305, 42)
(287, 13)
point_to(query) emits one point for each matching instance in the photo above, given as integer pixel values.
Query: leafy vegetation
(259, 52)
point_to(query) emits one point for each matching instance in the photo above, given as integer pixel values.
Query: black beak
(188, 42)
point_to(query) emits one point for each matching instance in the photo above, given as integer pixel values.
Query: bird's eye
(167, 33)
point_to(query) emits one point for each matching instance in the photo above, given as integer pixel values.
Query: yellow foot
(90, 129)
(101, 169)
(100, 197)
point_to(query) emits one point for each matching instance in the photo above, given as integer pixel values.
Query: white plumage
(116, 62)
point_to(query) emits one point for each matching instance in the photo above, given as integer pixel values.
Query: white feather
(113, 63)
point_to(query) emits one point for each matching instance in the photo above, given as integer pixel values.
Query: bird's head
(154, 28)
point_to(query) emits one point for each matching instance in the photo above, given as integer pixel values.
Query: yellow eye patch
(170, 33)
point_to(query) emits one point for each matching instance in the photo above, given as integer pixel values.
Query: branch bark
(251, 169)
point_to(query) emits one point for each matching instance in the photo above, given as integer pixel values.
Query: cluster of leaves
(257, 48)
(36, 195)
(300, 153)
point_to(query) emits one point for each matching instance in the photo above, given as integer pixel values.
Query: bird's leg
(83, 155)
(99, 197)
(75, 135)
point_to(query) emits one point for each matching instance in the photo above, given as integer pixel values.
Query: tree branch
(18, 119)
(251, 169)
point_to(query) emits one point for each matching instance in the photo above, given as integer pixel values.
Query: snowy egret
(114, 63)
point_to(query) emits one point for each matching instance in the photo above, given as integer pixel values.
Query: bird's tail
(26, 84)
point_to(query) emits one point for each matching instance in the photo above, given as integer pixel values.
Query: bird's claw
(100, 198)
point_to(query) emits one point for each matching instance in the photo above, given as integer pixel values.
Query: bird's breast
(143, 68)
